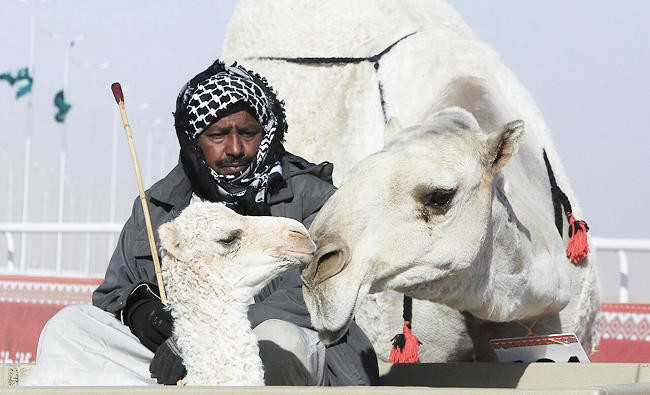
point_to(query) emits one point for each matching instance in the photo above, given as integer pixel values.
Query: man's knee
(78, 319)
(284, 334)
(291, 355)
(60, 322)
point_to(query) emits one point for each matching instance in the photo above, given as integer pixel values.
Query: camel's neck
(518, 272)
(213, 331)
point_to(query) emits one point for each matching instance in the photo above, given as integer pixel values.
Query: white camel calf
(214, 262)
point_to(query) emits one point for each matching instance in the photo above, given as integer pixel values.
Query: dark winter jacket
(306, 188)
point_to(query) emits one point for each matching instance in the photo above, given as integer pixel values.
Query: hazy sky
(585, 62)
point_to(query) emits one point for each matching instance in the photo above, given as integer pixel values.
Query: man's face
(231, 143)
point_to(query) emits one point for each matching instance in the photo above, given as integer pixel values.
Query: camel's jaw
(332, 305)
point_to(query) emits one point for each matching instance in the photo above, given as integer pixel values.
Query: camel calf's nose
(329, 260)
(299, 240)
(298, 233)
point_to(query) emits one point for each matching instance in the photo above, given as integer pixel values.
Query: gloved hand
(167, 364)
(147, 317)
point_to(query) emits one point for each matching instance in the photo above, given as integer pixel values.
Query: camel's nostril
(328, 258)
(328, 261)
(329, 264)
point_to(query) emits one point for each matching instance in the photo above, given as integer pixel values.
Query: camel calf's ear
(503, 145)
(169, 239)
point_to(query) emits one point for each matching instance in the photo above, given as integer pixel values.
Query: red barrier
(26, 303)
(624, 333)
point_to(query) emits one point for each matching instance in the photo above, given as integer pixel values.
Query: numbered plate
(564, 347)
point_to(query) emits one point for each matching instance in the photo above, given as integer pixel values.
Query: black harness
(340, 61)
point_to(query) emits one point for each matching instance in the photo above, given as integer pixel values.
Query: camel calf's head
(411, 217)
(216, 243)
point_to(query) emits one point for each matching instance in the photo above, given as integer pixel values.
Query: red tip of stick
(117, 92)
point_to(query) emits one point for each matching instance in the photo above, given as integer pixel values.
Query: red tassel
(578, 246)
(405, 346)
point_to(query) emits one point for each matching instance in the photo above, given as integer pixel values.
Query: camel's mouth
(302, 254)
(332, 306)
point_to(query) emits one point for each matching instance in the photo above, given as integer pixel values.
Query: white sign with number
(564, 347)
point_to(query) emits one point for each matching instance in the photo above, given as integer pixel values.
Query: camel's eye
(439, 198)
(433, 201)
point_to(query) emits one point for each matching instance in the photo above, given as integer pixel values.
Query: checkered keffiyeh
(206, 104)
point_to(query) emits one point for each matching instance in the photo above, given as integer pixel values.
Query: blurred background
(585, 62)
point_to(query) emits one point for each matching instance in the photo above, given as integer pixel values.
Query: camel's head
(409, 218)
(245, 252)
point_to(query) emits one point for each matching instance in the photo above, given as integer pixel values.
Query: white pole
(28, 140)
(44, 208)
(23, 236)
(148, 160)
(623, 292)
(155, 141)
(59, 236)
(167, 159)
(62, 158)
(10, 192)
(163, 156)
(10, 252)
(112, 192)
(89, 209)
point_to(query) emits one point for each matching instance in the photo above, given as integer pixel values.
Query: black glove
(147, 317)
(167, 364)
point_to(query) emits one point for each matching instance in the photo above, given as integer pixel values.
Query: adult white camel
(345, 68)
(444, 219)
(214, 262)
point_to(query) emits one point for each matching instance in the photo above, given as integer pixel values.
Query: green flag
(61, 106)
(21, 75)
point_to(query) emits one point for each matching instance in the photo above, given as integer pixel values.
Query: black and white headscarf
(201, 103)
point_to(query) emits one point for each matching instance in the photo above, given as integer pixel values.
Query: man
(230, 126)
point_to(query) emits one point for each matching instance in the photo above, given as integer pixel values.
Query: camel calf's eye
(231, 238)
(228, 241)
(439, 197)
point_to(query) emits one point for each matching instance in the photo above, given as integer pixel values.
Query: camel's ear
(169, 239)
(501, 146)
(392, 128)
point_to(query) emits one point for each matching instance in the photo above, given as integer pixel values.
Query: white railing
(65, 227)
(620, 246)
(86, 228)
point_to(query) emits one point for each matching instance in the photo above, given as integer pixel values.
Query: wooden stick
(119, 98)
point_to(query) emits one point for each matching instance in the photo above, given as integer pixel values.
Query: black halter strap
(407, 311)
(339, 61)
(559, 197)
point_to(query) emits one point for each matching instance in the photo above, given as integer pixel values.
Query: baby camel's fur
(214, 261)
